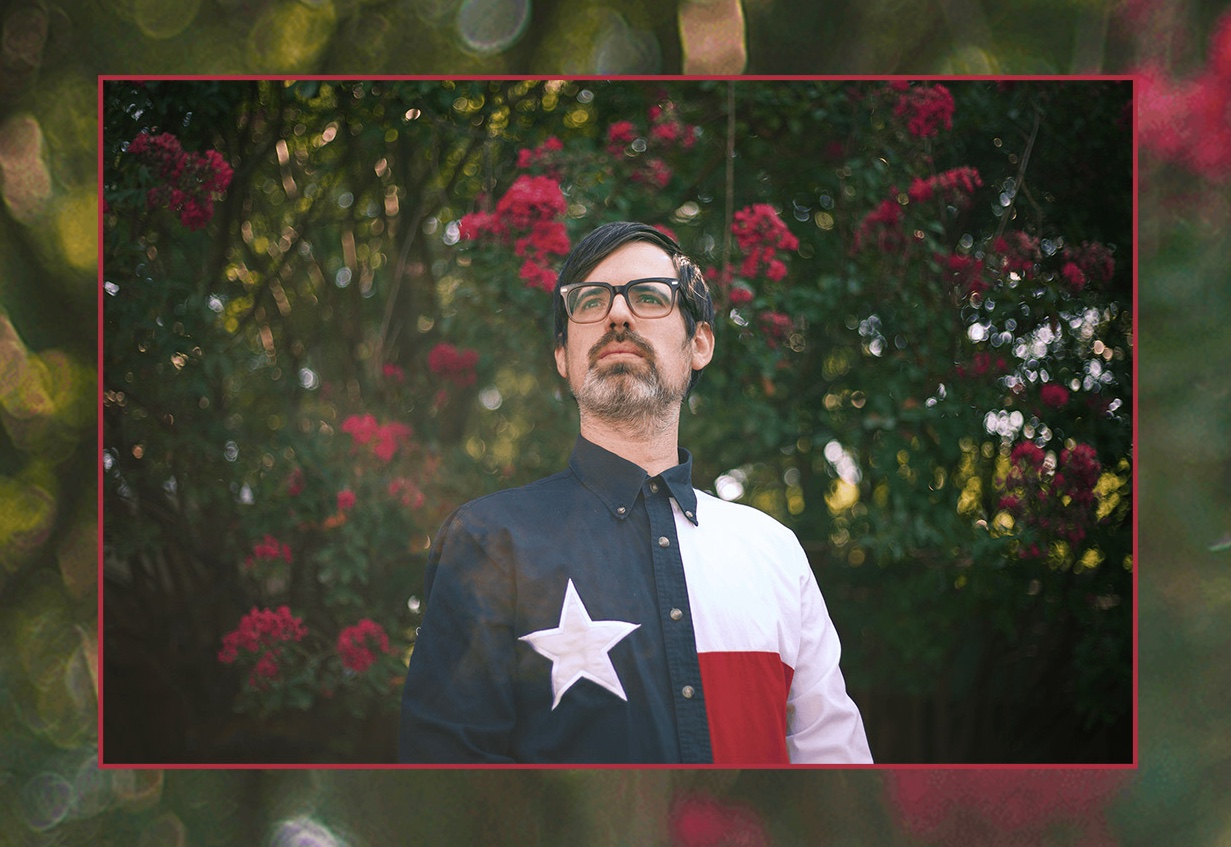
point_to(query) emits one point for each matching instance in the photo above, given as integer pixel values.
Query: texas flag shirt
(604, 616)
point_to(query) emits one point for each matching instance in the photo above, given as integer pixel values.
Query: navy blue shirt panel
(499, 570)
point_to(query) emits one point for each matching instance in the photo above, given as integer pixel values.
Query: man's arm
(458, 703)
(823, 723)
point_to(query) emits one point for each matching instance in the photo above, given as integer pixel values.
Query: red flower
(925, 108)
(190, 180)
(1056, 396)
(454, 364)
(261, 635)
(697, 820)
(740, 295)
(621, 133)
(387, 438)
(881, 228)
(1073, 276)
(269, 550)
(407, 492)
(955, 187)
(531, 199)
(760, 234)
(356, 643)
(346, 500)
(393, 373)
(295, 483)
(777, 327)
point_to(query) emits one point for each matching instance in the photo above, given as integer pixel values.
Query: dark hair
(696, 305)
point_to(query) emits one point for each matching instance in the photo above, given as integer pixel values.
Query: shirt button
(676, 614)
(687, 692)
(663, 541)
(621, 510)
(653, 487)
(688, 515)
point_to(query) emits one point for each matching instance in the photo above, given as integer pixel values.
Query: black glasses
(590, 302)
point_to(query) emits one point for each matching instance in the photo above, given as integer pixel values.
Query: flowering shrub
(190, 181)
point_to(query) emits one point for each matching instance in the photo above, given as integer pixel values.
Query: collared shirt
(601, 616)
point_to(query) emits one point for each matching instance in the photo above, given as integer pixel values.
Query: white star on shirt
(578, 647)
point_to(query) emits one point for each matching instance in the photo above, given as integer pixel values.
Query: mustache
(622, 336)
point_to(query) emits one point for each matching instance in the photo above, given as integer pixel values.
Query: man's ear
(561, 361)
(702, 346)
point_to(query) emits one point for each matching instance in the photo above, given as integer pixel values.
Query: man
(612, 613)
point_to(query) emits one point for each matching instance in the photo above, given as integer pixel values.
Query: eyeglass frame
(673, 283)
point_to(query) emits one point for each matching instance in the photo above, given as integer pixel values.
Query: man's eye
(591, 300)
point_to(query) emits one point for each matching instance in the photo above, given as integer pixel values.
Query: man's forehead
(636, 255)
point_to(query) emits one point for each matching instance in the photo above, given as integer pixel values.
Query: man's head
(625, 359)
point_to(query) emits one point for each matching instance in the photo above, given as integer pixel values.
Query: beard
(632, 394)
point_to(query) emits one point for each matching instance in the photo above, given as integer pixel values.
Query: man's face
(628, 369)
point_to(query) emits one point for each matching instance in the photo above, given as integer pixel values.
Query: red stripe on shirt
(745, 702)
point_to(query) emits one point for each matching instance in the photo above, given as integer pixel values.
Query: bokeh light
(290, 36)
(164, 20)
(24, 175)
(492, 26)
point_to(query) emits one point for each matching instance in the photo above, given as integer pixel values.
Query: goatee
(630, 394)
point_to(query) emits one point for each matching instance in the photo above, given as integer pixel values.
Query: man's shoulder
(511, 502)
(741, 519)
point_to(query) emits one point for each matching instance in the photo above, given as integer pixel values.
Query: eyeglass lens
(590, 303)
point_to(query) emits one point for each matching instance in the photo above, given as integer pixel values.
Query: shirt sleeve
(458, 701)
(823, 723)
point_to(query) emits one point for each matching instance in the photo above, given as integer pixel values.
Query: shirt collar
(617, 481)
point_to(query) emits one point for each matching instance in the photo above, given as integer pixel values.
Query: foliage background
(47, 284)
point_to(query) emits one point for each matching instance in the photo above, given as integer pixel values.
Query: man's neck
(654, 451)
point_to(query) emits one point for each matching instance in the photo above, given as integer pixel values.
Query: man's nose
(620, 314)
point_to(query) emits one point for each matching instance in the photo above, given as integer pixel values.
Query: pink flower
(346, 500)
(356, 644)
(393, 373)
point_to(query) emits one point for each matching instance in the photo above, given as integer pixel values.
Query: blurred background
(48, 611)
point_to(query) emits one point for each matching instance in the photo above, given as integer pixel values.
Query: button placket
(679, 638)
